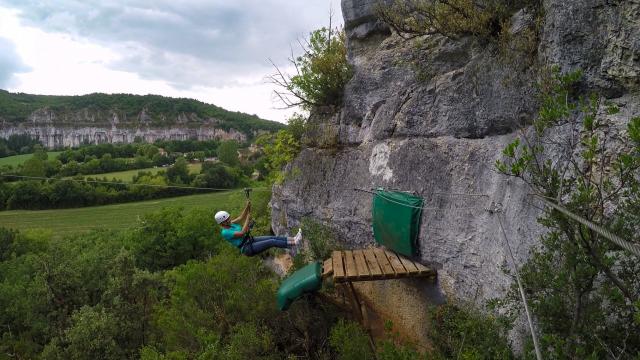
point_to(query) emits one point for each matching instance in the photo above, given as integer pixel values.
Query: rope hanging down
(534, 336)
(128, 184)
(633, 248)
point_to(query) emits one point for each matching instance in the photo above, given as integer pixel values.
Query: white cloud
(215, 51)
(63, 65)
(10, 63)
(221, 35)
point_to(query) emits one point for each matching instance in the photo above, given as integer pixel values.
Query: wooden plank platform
(372, 264)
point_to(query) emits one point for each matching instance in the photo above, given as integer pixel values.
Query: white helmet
(222, 216)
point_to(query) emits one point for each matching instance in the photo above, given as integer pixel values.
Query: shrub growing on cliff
(320, 239)
(451, 18)
(321, 72)
(582, 287)
(281, 148)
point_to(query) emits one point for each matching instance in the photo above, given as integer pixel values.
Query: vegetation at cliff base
(171, 288)
(16, 144)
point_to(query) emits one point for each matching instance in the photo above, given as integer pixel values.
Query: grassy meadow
(20, 159)
(119, 216)
(128, 175)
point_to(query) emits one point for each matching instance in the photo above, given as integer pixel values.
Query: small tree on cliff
(583, 289)
(322, 72)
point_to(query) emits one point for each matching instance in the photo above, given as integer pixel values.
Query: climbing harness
(247, 239)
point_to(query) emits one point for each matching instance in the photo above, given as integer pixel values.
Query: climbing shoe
(298, 238)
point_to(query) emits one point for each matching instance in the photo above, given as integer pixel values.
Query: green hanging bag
(396, 220)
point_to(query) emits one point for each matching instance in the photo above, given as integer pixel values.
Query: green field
(19, 159)
(129, 174)
(119, 216)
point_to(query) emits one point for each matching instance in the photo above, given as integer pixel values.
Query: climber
(240, 237)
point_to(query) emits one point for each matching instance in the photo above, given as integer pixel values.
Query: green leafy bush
(320, 238)
(461, 332)
(170, 237)
(217, 176)
(350, 341)
(207, 299)
(80, 339)
(282, 148)
(322, 72)
(228, 152)
(581, 287)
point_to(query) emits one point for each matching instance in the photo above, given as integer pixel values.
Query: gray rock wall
(438, 127)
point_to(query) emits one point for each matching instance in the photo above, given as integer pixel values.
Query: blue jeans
(262, 243)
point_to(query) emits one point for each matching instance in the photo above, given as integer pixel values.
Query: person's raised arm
(244, 214)
(245, 227)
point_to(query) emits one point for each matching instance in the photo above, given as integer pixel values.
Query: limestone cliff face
(439, 127)
(93, 127)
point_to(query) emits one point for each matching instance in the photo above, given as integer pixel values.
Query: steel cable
(633, 248)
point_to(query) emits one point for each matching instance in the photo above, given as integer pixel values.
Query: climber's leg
(262, 243)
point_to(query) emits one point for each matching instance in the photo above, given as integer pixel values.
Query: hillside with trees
(159, 111)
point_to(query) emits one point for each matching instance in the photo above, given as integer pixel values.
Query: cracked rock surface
(434, 121)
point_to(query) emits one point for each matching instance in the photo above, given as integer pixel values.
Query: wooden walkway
(371, 264)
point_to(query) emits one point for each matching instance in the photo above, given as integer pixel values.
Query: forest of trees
(17, 144)
(171, 288)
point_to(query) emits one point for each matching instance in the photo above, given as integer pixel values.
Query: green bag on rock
(396, 220)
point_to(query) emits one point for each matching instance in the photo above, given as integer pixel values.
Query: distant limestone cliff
(60, 121)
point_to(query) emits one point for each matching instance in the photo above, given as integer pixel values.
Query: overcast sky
(216, 51)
